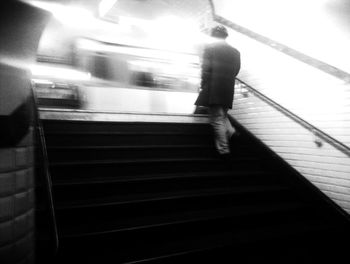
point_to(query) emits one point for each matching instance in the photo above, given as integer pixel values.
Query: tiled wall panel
(17, 202)
(319, 162)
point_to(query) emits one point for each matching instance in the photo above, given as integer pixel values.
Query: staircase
(134, 192)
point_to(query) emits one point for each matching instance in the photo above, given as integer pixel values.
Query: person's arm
(206, 68)
(238, 64)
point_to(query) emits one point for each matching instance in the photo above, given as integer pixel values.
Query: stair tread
(239, 242)
(164, 202)
(146, 160)
(138, 133)
(205, 146)
(148, 197)
(176, 218)
(160, 176)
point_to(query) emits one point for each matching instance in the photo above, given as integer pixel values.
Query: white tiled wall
(325, 166)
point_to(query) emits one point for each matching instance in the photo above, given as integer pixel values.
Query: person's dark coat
(220, 66)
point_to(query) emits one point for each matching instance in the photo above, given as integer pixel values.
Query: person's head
(219, 32)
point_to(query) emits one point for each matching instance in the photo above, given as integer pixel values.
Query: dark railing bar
(316, 131)
(47, 176)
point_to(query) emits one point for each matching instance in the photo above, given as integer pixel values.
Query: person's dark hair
(219, 32)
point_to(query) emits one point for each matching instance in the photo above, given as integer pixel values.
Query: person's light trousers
(222, 127)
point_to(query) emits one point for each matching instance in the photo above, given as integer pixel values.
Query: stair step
(132, 161)
(66, 126)
(236, 239)
(76, 153)
(151, 161)
(150, 197)
(296, 250)
(125, 224)
(95, 168)
(257, 175)
(99, 214)
(156, 184)
(154, 192)
(122, 139)
(107, 216)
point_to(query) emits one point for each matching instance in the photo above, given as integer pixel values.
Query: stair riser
(96, 171)
(127, 152)
(126, 140)
(125, 127)
(129, 191)
(175, 231)
(69, 193)
(59, 155)
(149, 242)
(118, 214)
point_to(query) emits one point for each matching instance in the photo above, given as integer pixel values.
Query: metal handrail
(46, 173)
(316, 131)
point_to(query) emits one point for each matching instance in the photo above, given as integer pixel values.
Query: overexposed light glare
(172, 25)
(105, 6)
(47, 71)
(309, 26)
(173, 32)
(59, 73)
(168, 32)
(72, 16)
(91, 45)
(16, 63)
(41, 81)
